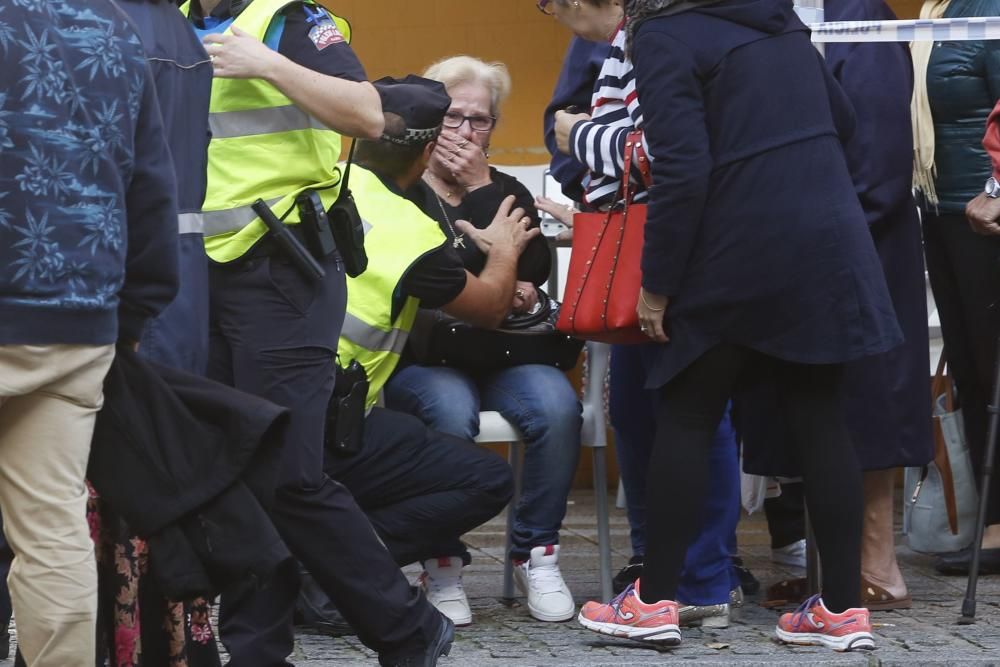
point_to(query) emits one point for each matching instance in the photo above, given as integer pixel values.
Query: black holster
(345, 415)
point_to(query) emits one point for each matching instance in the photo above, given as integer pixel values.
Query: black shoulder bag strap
(347, 227)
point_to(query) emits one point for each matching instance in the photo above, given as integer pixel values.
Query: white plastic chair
(494, 428)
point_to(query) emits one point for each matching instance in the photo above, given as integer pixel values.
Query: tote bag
(603, 279)
(941, 500)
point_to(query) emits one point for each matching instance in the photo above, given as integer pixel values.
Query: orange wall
(402, 36)
(396, 37)
(906, 9)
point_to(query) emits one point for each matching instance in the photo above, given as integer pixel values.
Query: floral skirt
(137, 626)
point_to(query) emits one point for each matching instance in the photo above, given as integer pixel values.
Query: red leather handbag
(603, 280)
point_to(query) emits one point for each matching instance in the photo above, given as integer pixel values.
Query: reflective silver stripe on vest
(230, 124)
(373, 338)
(231, 219)
(190, 223)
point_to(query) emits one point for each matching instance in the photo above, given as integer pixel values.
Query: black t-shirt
(310, 38)
(437, 277)
(479, 207)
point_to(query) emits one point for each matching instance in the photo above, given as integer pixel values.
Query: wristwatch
(992, 188)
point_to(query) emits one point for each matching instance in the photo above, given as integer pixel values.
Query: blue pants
(274, 334)
(538, 400)
(708, 574)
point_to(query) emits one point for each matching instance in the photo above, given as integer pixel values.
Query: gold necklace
(448, 193)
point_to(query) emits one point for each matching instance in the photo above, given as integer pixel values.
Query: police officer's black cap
(421, 103)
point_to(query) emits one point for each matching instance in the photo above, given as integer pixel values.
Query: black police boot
(428, 657)
(315, 609)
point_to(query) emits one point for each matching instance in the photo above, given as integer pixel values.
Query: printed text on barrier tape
(921, 30)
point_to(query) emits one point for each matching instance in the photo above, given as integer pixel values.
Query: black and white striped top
(600, 142)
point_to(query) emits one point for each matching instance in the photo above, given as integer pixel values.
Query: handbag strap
(942, 385)
(634, 147)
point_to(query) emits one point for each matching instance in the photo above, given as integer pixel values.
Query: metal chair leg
(517, 465)
(603, 531)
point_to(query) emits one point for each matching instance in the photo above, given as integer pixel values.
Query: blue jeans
(708, 574)
(538, 400)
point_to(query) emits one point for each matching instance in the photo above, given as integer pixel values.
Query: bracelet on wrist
(642, 297)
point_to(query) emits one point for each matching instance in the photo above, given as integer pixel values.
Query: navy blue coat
(887, 400)
(178, 337)
(754, 228)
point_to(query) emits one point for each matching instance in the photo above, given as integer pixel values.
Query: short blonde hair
(458, 70)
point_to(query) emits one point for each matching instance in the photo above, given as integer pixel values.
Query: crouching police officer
(420, 488)
(287, 85)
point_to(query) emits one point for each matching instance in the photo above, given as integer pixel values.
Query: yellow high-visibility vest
(379, 318)
(263, 146)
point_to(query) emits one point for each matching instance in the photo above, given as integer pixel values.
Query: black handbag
(438, 339)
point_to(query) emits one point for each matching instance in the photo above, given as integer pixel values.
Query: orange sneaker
(813, 623)
(628, 616)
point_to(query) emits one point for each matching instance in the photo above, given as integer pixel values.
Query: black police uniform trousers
(274, 334)
(420, 488)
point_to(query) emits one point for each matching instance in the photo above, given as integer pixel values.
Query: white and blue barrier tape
(916, 30)
(810, 11)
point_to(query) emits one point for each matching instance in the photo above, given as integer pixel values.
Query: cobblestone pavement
(506, 636)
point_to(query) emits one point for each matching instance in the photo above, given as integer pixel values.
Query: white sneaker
(441, 581)
(793, 555)
(539, 578)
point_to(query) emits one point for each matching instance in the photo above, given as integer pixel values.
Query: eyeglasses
(477, 123)
(545, 7)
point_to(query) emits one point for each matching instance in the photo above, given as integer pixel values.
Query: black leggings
(691, 406)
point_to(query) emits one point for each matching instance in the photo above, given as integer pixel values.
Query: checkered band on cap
(411, 136)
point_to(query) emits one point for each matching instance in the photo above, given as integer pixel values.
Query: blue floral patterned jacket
(88, 218)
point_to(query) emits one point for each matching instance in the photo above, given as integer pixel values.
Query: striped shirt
(600, 142)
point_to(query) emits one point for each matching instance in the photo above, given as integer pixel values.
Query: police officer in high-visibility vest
(287, 86)
(421, 489)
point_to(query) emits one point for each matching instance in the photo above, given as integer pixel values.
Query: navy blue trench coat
(887, 401)
(754, 229)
